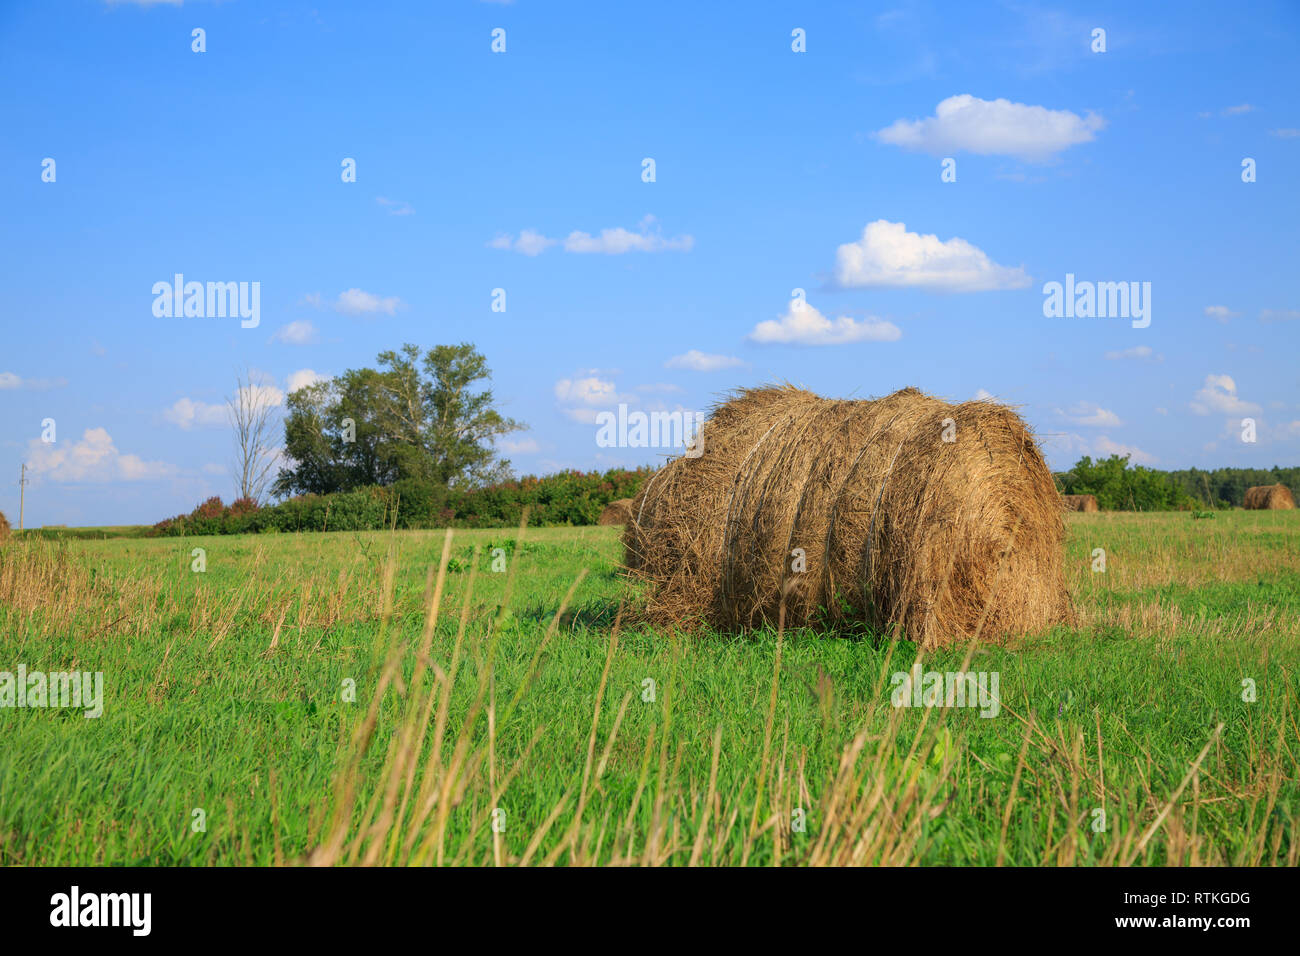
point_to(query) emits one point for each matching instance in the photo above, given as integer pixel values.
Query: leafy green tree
(420, 417)
(1119, 486)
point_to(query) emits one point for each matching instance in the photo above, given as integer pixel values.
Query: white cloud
(1137, 352)
(357, 302)
(1219, 394)
(13, 380)
(1238, 110)
(659, 387)
(1090, 413)
(614, 242)
(610, 242)
(521, 446)
(1285, 133)
(698, 361)
(301, 332)
(890, 256)
(1104, 446)
(804, 325)
(304, 377)
(982, 394)
(93, 458)
(1220, 313)
(529, 243)
(187, 413)
(993, 128)
(395, 207)
(582, 398)
(1279, 315)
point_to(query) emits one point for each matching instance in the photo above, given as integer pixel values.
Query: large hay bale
(1080, 502)
(1270, 497)
(946, 539)
(4, 526)
(617, 512)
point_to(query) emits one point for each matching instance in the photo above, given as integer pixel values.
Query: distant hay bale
(1269, 497)
(940, 519)
(1080, 502)
(4, 526)
(617, 512)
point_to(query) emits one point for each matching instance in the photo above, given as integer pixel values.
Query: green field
(523, 727)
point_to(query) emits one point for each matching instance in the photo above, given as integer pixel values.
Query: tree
(417, 418)
(252, 413)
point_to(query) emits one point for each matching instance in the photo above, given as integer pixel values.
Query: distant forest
(1121, 487)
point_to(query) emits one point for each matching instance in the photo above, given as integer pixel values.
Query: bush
(566, 498)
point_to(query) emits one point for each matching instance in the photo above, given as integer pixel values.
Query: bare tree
(252, 413)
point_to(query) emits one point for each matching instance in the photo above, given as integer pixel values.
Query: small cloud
(582, 398)
(999, 127)
(186, 413)
(303, 378)
(1137, 352)
(312, 299)
(1285, 133)
(804, 325)
(610, 242)
(520, 446)
(889, 256)
(1279, 315)
(214, 469)
(300, 332)
(357, 302)
(698, 361)
(1136, 456)
(394, 207)
(92, 459)
(529, 243)
(1220, 313)
(1238, 110)
(11, 380)
(656, 387)
(1090, 413)
(983, 395)
(1219, 394)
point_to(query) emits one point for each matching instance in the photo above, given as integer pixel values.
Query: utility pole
(22, 494)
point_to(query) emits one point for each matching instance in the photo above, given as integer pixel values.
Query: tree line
(1119, 486)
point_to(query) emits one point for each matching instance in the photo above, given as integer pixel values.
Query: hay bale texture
(4, 526)
(1269, 497)
(617, 512)
(945, 540)
(1080, 502)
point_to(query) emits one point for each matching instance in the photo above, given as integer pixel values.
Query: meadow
(488, 697)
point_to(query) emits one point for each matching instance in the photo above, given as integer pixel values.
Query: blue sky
(775, 170)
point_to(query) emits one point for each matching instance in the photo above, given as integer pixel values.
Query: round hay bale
(617, 512)
(941, 520)
(4, 526)
(1080, 502)
(1269, 497)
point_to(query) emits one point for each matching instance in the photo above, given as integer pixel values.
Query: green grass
(223, 692)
